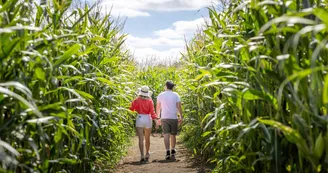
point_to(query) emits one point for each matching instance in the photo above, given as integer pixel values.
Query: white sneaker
(147, 156)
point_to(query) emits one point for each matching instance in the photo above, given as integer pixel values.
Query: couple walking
(168, 108)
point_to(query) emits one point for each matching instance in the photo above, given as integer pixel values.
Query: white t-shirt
(169, 100)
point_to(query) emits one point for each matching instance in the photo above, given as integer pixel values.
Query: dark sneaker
(142, 159)
(173, 154)
(172, 157)
(168, 157)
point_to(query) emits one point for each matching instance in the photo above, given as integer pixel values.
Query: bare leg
(140, 133)
(173, 141)
(162, 134)
(167, 141)
(147, 138)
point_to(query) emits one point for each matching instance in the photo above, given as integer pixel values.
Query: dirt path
(157, 163)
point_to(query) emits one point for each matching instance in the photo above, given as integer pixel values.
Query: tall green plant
(258, 87)
(63, 90)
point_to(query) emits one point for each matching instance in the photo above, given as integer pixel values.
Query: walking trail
(157, 163)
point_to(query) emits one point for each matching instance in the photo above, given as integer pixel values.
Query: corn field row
(65, 85)
(253, 82)
(256, 87)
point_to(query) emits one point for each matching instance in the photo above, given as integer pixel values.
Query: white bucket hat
(144, 91)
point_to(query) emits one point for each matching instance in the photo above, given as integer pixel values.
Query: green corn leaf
(19, 87)
(321, 14)
(71, 51)
(319, 146)
(287, 19)
(73, 68)
(20, 98)
(106, 81)
(7, 5)
(251, 94)
(291, 134)
(40, 74)
(9, 148)
(41, 120)
(206, 133)
(58, 135)
(325, 91)
(84, 94)
(64, 161)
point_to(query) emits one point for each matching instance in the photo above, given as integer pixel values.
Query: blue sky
(145, 26)
(158, 28)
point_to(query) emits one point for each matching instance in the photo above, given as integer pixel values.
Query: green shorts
(170, 126)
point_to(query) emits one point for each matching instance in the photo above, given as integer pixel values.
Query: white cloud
(170, 40)
(137, 42)
(181, 29)
(134, 8)
(169, 33)
(150, 56)
(150, 52)
(189, 26)
(174, 5)
(129, 12)
(161, 48)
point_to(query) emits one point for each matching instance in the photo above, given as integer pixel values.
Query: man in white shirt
(168, 105)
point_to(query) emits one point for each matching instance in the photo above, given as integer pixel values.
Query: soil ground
(184, 163)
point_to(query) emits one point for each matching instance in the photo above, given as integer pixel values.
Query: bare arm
(152, 111)
(179, 107)
(158, 109)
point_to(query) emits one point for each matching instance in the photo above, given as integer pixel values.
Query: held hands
(158, 123)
